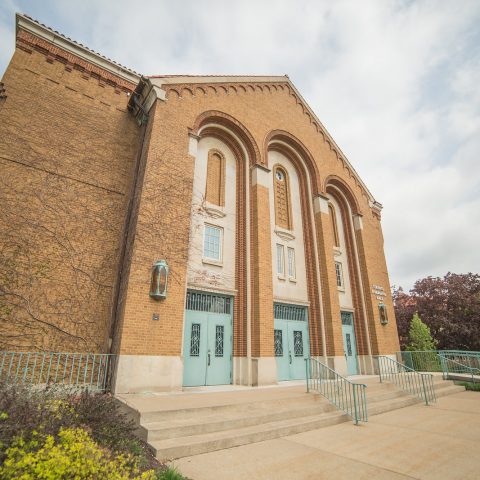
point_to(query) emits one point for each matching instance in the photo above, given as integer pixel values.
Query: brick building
(273, 243)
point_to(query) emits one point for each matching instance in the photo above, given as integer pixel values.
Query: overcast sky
(396, 83)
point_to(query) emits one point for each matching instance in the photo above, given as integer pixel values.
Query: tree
(450, 306)
(404, 310)
(420, 336)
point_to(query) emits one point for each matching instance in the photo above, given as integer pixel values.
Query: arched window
(333, 218)
(215, 188)
(283, 214)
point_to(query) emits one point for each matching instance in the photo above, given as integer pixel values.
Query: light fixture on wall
(159, 280)
(383, 313)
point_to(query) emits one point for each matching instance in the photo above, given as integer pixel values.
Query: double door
(207, 348)
(291, 343)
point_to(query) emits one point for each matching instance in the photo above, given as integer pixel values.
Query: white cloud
(395, 82)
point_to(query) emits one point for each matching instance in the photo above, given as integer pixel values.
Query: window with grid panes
(212, 243)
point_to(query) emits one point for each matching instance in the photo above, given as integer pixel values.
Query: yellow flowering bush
(73, 456)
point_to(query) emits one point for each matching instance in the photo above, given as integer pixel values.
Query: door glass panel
(278, 343)
(347, 318)
(349, 344)
(195, 340)
(298, 343)
(219, 331)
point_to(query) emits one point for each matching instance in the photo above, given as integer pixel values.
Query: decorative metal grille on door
(298, 343)
(195, 340)
(349, 344)
(219, 330)
(289, 312)
(206, 302)
(278, 343)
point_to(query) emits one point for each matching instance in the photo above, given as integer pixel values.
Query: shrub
(474, 386)
(170, 473)
(420, 336)
(72, 455)
(46, 412)
(32, 419)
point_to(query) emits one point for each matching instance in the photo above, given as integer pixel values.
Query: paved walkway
(438, 442)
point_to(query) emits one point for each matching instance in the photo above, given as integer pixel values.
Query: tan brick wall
(66, 152)
(260, 110)
(370, 242)
(69, 124)
(261, 265)
(331, 306)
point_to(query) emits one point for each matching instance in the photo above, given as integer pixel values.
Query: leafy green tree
(420, 336)
(450, 306)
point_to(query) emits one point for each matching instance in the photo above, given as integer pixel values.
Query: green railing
(451, 367)
(421, 361)
(86, 370)
(448, 362)
(345, 395)
(407, 379)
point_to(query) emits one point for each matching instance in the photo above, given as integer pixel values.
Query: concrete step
(449, 390)
(402, 401)
(198, 423)
(241, 408)
(196, 444)
(383, 395)
(227, 420)
(441, 387)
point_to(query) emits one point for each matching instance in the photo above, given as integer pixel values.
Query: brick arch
(240, 303)
(303, 173)
(347, 208)
(279, 139)
(216, 117)
(336, 181)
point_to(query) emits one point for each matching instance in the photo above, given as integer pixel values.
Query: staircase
(180, 425)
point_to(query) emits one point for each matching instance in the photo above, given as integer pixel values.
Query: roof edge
(24, 22)
(159, 81)
(334, 143)
(182, 79)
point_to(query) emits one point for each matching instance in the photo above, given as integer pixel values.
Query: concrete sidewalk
(437, 442)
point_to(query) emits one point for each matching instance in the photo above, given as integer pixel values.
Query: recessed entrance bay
(207, 346)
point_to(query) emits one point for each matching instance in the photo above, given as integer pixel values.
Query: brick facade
(72, 121)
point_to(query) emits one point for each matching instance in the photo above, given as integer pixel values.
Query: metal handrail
(458, 367)
(446, 361)
(347, 396)
(90, 370)
(409, 380)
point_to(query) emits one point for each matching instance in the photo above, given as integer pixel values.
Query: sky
(395, 82)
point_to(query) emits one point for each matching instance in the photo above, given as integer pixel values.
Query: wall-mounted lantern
(383, 313)
(159, 280)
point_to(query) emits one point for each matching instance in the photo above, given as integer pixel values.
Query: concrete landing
(415, 442)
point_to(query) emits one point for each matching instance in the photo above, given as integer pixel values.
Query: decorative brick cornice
(32, 36)
(181, 86)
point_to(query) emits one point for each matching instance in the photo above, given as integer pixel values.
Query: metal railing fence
(86, 370)
(345, 395)
(451, 367)
(407, 379)
(448, 362)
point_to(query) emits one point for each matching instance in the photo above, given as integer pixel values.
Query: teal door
(291, 341)
(349, 343)
(207, 347)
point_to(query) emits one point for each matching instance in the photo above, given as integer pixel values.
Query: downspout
(129, 225)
